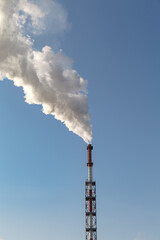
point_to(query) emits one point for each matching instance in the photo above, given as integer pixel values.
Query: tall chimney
(90, 200)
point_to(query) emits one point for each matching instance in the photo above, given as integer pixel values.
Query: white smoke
(47, 78)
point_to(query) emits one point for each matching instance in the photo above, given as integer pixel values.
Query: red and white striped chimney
(90, 198)
(90, 172)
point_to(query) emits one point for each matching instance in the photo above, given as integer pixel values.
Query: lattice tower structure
(90, 200)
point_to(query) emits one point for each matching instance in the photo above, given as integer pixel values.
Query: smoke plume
(47, 78)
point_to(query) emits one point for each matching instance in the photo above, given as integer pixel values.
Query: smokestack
(90, 200)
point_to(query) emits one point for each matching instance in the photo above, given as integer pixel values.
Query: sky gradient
(115, 46)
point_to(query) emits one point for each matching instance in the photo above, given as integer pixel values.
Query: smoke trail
(47, 78)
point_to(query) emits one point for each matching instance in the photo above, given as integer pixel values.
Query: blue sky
(115, 46)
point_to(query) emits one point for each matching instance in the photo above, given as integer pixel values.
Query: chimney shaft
(89, 148)
(90, 163)
(91, 225)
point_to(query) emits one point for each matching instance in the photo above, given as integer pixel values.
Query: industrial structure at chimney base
(90, 200)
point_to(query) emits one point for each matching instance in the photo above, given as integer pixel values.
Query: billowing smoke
(47, 78)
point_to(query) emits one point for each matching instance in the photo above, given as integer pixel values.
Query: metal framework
(90, 201)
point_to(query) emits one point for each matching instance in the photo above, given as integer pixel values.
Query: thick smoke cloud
(47, 78)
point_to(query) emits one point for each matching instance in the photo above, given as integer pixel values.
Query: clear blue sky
(115, 46)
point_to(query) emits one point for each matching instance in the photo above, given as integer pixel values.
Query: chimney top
(89, 147)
